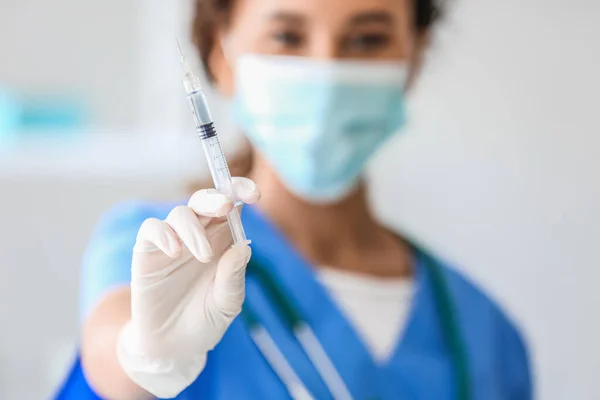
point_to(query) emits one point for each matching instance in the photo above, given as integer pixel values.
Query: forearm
(99, 349)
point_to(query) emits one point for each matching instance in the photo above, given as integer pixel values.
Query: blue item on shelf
(21, 116)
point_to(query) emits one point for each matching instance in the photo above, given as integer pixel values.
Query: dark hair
(210, 14)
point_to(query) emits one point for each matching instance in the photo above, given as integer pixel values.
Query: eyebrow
(382, 17)
(285, 16)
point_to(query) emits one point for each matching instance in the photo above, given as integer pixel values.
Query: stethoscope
(303, 333)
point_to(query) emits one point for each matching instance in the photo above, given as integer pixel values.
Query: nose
(324, 47)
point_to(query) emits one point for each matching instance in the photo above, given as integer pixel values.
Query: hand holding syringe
(185, 275)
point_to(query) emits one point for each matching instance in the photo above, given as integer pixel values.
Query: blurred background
(499, 170)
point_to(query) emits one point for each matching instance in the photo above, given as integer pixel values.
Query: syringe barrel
(216, 162)
(215, 157)
(235, 224)
(199, 108)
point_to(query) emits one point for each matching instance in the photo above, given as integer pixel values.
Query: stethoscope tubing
(317, 354)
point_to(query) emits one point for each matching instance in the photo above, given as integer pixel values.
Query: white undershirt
(377, 308)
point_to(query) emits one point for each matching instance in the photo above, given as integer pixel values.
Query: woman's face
(321, 29)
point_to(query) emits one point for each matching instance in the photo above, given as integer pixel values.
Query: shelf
(104, 155)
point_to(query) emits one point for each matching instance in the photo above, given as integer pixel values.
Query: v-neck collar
(365, 377)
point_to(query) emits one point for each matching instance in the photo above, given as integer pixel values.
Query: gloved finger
(186, 224)
(245, 189)
(209, 203)
(154, 235)
(229, 284)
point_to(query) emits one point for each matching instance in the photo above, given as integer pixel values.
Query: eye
(287, 38)
(367, 42)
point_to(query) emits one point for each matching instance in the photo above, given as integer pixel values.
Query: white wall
(83, 48)
(499, 171)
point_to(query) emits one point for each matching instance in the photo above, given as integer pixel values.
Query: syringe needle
(187, 71)
(179, 47)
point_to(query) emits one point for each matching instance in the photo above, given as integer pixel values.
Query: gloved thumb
(229, 284)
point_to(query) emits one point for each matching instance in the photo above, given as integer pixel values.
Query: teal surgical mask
(318, 122)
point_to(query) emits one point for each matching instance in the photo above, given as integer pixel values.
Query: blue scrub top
(420, 367)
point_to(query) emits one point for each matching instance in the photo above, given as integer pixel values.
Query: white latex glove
(187, 285)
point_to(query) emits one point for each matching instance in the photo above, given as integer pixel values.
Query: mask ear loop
(414, 50)
(228, 57)
(230, 60)
(225, 43)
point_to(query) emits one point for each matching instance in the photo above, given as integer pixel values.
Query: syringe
(212, 148)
